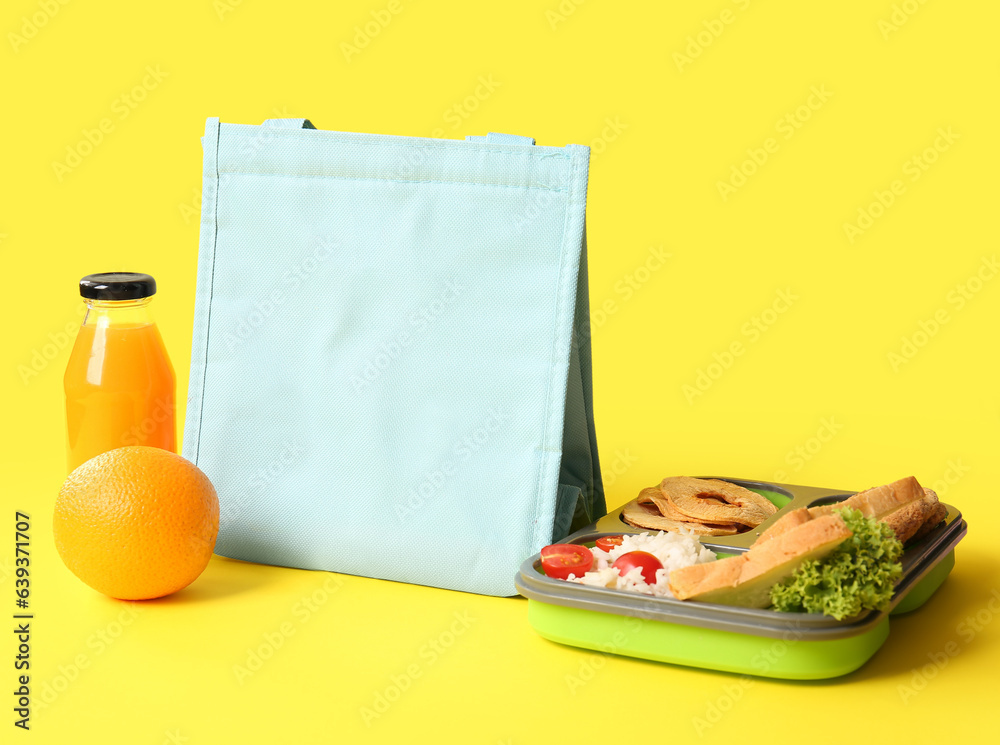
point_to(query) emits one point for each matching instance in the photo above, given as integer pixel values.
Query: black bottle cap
(117, 286)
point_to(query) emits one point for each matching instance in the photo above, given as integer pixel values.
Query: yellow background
(563, 73)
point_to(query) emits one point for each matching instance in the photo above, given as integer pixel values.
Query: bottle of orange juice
(119, 382)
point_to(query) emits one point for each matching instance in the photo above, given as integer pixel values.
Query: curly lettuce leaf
(858, 575)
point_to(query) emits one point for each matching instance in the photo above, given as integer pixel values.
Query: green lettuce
(858, 575)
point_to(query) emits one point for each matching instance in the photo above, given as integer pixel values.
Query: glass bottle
(119, 382)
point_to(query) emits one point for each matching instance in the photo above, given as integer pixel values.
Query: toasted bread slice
(937, 515)
(878, 501)
(747, 579)
(785, 523)
(904, 505)
(907, 521)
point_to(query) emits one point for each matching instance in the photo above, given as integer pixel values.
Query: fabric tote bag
(390, 369)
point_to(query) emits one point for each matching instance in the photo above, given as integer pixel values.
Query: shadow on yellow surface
(222, 579)
(948, 629)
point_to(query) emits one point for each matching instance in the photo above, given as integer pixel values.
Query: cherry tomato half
(642, 559)
(563, 559)
(608, 542)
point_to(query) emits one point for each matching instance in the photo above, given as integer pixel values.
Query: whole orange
(137, 522)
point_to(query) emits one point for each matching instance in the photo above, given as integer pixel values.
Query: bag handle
(289, 123)
(492, 138)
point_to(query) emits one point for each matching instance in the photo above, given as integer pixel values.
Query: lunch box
(766, 643)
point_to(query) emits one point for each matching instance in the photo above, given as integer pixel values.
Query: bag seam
(402, 141)
(546, 449)
(211, 289)
(540, 187)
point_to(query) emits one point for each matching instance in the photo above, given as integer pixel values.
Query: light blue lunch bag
(390, 370)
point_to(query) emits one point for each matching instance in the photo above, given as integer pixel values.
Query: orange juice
(119, 382)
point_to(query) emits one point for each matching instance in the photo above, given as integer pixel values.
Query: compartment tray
(729, 638)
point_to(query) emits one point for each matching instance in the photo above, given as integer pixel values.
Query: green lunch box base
(791, 659)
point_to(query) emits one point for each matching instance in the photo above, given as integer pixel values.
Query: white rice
(674, 550)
